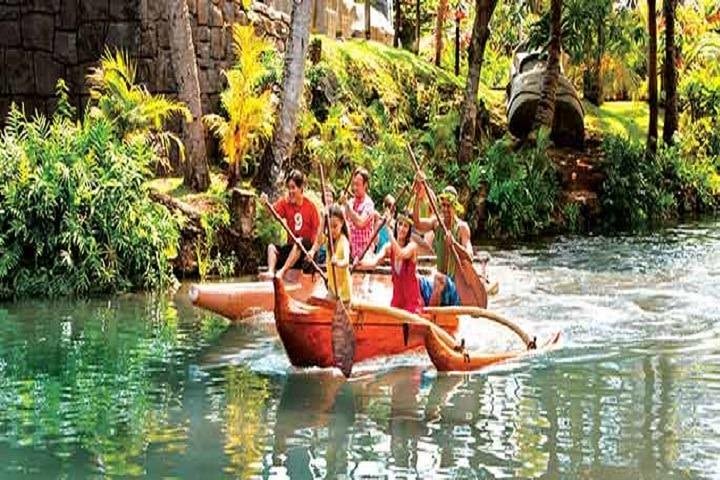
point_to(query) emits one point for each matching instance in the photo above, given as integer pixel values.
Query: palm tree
(249, 113)
(196, 175)
(367, 19)
(652, 78)
(670, 72)
(270, 178)
(546, 105)
(442, 11)
(481, 31)
(397, 11)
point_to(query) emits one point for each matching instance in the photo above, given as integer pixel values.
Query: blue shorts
(449, 296)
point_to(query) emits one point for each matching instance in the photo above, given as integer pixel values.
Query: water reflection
(144, 385)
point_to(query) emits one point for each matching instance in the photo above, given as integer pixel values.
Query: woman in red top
(402, 252)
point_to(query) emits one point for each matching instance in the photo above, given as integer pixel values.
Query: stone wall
(211, 23)
(43, 40)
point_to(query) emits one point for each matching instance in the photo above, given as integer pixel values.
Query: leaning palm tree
(481, 32)
(545, 114)
(270, 178)
(132, 110)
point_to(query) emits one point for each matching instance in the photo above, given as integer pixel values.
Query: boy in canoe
(301, 215)
(441, 290)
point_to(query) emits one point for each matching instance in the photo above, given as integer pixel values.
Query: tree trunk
(417, 27)
(670, 72)
(442, 11)
(338, 25)
(367, 19)
(652, 78)
(481, 31)
(397, 23)
(270, 178)
(546, 106)
(196, 172)
(592, 78)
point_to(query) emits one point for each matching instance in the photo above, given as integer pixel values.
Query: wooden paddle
(294, 238)
(342, 332)
(469, 285)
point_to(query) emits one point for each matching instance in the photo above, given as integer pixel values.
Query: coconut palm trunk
(270, 178)
(196, 172)
(670, 72)
(397, 11)
(442, 11)
(367, 19)
(480, 34)
(545, 113)
(652, 78)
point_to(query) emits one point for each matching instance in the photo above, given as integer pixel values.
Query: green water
(148, 385)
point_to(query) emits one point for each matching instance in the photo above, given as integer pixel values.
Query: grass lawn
(629, 119)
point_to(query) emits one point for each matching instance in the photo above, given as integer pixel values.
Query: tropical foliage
(75, 216)
(127, 106)
(246, 101)
(522, 189)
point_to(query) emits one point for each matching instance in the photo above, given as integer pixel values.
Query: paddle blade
(343, 340)
(470, 286)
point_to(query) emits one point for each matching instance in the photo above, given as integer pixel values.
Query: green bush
(75, 216)
(700, 93)
(636, 192)
(522, 189)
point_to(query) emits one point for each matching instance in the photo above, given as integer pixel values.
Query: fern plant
(130, 108)
(249, 111)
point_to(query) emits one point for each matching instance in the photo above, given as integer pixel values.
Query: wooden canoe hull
(446, 359)
(236, 301)
(305, 331)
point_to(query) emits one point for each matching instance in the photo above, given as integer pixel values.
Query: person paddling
(402, 252)
(441, 290)
(341, 258)
(301, 215)
(360, 212)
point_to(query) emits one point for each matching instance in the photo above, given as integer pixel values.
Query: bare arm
(371, 261)
(422, 224)
(406, 252)
(464, 243)
(360, 221)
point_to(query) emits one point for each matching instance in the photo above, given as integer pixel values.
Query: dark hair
(297, 177)
(410, 230)
(364, 174)
(337, 212)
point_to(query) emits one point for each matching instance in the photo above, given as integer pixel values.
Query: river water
(148, 385)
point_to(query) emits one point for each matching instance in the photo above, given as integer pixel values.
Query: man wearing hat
(441, 290)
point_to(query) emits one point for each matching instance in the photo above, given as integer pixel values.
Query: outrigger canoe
(240, 300)
(305, 330)
(451, 358)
